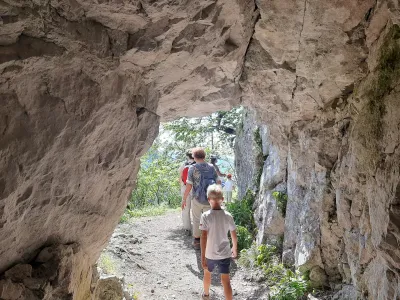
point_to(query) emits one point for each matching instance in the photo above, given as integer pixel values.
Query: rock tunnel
(85, 83)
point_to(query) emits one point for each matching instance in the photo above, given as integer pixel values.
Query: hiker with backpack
(201, 175)
(183, 175)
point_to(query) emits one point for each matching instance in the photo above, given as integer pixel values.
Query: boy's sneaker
(205, 297)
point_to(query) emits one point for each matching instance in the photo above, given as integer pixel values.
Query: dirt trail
(158, 261)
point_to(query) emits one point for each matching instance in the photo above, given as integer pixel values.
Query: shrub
(265, 254)
(285, 284)
(291, 287)
(244, 238)
(242, 212)
(248, 257)
(257, 256)
(281, 202)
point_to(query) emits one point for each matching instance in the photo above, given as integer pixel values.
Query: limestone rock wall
(83, 85)
(56, 272)
(315, 74)
(248, 154)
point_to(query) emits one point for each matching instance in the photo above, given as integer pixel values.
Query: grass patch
(147, 211)
(107, 263)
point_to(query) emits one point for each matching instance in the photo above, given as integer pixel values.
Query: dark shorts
(223, 265)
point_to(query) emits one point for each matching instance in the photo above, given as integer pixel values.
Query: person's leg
(207, 276)
(189, 207)
(206, 282)
(224, 265)
(228, 196)
(186, 215)
(196, 212)
(226, 283)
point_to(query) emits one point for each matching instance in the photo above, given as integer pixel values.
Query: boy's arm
(234, 243)
(216, 178)
(203, 244)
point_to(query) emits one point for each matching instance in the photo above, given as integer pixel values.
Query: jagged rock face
(262, 170)
(69, 146)
(302, 62)
(83, 86)
(193, 53)
(248, 154)
(55, 272)
(342, 213)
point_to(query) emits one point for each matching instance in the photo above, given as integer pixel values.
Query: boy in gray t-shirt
(215, 247)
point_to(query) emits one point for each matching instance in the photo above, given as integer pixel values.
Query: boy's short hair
(229, 175)
(199, 153)
(215, 191)
(189, 154)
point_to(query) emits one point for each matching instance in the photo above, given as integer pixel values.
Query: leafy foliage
(157, 185)
(244, 237)
(216, 131)
(265, 254)
(285, 284)
(257, 256)
(292, 286)
(281, 202)
(158, 179)
(242, 211)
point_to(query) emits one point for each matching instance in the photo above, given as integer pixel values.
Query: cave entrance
(150, 247)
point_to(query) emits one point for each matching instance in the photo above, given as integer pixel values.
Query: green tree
(215, 131)
(157, 181)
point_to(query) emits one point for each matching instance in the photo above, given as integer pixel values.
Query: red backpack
(185, 173)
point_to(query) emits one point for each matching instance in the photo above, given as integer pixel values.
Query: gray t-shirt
(217, 223)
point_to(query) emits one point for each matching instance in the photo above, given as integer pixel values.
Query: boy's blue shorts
(223, 265)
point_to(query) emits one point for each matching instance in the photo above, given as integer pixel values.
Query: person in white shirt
(215, 247)
(183, 175)
(229, 187)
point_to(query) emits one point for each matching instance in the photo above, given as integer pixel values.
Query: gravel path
(157, 260)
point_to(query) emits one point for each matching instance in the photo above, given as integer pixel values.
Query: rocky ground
(157, 261)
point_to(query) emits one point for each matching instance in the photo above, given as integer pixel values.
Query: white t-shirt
(217, 223)
(228, 187)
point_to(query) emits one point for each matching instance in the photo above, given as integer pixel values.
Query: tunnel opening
(152, 239)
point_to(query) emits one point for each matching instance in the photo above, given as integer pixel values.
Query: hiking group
(202, 193)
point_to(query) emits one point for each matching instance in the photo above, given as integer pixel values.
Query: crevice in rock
(257, 17)
(141, 110)
(299, 45)
(6, 122)
(27, 47)
(7, 19)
